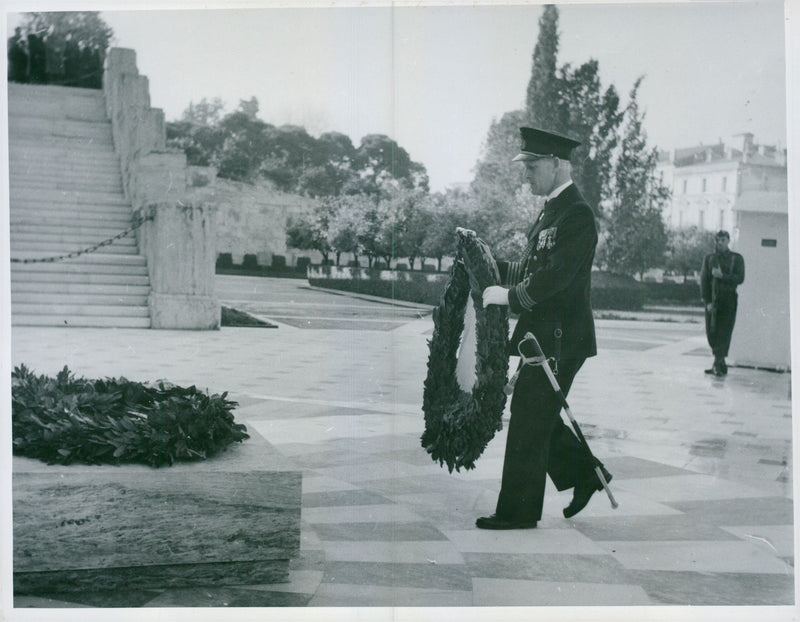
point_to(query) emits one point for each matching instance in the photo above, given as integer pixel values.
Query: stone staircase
(66, 195)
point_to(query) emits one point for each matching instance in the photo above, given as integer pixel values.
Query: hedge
(687, 293)
(423, 288)
(616, 291)
(609, 291)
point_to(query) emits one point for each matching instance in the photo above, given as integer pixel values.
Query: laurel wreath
(460, 424)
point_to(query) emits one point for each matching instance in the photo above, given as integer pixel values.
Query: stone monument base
(230, 520)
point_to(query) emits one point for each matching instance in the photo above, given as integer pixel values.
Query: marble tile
(714, 556)
(687, 488)
(321, 484)
(228, 597)
(397, 575)
(386, 532)
(409, 552)
(779, 539)
(386, 513)
(362, 471)
(433, 483)
(524, 541)
(26, 602)
(629, 467)
(670, 527)
(507, 592)
(342, 498)
(110, 598)
(751, 511)
(300, 582)
(714, 589)
(343, 595)
(547, 567)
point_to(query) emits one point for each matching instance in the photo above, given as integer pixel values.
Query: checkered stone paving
(705, 515)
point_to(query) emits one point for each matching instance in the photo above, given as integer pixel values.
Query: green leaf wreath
(458, 424)
(66, 419)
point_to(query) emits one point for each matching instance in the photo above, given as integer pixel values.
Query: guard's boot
(583, 492)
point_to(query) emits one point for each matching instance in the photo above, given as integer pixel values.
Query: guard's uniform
(721, 291)
(550, 290)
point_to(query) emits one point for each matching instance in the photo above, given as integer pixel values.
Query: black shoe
(493, 522)
(717, 371)
(584, 491)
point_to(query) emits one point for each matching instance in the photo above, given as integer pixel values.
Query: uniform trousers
(719, 335)
(539, 443)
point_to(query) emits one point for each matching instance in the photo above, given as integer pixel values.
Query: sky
(434, 77)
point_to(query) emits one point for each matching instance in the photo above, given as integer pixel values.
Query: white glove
(495, 295)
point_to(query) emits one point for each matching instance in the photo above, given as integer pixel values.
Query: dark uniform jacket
(732, 266)
(550, 287)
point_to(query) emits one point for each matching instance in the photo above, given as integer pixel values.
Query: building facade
(707, 180)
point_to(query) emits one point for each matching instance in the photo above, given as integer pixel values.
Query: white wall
(761, 335)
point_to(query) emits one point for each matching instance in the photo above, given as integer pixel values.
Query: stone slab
(230, 520)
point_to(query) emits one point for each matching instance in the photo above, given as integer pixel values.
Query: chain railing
(138, 222)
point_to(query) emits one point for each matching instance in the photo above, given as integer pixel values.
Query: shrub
(303, 263)
(278, 261)
(687, 293)
(224, 260)
(616, 291)
(250, 262)
(67, 419)
(416, 288)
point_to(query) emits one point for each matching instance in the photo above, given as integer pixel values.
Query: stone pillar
(179, 243)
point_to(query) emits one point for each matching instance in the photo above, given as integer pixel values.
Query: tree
(593, 118)
(686, 249)
(542, 103)
(311, 230)
(636, 237)
(205, 112)
(379, 159)
(448, 211)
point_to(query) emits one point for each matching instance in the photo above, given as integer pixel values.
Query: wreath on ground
(66, 419)
(459, 423)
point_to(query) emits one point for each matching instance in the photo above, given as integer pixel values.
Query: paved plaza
(702, 466)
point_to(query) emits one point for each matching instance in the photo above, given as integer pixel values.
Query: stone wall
(251, 218)
(179, 242)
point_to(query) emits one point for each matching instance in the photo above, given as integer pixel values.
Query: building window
(722, 219)
(701, 220)
(704, 184)
(724, 184)
(680, 219)
(684, 186)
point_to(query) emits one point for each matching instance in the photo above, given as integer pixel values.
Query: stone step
(72, 197)
(33, 102)
(21, 277)
(46, 141)
(45, 250)
(94, 289)
(101, 261)
(79, 321)
(83, 309)
(77, 297)
(67, 239)
(66, 228)
(24, 126)
(83, 152)
(54, 92)
(38, 169)
(116, 218)
(68, 183)
(80, 270)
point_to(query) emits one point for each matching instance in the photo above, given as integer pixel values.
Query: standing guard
(722, 272)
